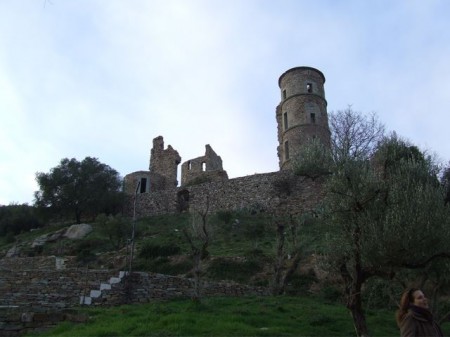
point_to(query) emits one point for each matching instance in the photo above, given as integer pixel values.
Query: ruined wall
(262, 191)
(130, 182)
(163, 165)
(205, 168)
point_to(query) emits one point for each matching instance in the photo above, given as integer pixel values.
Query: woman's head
(413, 296)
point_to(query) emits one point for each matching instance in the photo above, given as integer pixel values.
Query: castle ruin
(301, 116)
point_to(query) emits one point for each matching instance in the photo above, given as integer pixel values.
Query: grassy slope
(272, 316)
(281, 316)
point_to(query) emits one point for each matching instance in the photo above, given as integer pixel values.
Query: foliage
(314, 160)
(164, 265)
(234, 270)
(150, 250)
(116, 228)
(225, 216)
(383, 206)
(445, 180)
(18, 218)
(79, 188)
(85, 251)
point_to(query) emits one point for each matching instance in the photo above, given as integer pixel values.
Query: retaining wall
(32, 300)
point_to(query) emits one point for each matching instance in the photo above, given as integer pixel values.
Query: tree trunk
(359, 319)
(353, 284)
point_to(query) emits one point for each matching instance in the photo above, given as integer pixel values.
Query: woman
(414, 318)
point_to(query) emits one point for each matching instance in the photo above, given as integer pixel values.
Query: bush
(151, 251)
(331, 294)
(239, 271)
(17, 219)
(300, 283)
(163, 265)
(225, 216)
(85, 250)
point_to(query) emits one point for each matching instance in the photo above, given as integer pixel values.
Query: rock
(78, 231)
(13, 251)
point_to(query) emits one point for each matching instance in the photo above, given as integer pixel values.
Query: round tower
(302, 112)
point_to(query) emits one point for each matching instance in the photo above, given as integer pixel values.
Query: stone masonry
(301, 116)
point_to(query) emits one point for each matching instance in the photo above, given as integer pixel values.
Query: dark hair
(405, 301)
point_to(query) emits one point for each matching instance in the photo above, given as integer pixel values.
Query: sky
(102, 78)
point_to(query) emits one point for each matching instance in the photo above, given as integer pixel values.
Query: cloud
(103, 78)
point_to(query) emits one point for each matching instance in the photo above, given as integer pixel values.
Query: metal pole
(133, 225)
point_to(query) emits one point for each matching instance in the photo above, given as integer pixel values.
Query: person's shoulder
(408, 316)
(407, 319)
(408, 325)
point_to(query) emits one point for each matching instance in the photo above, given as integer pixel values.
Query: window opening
(286, 150)
(285, 120)
(313, 118)
(189, 165)
(284, 94)
(143, 187)
(309, 87)
(203, 166)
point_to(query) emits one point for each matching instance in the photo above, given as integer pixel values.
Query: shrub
(151, 251)
(239, 271)
(163, 265)
(225, 216)
(300, 283)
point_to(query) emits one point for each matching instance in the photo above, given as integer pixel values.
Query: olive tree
(383, 208)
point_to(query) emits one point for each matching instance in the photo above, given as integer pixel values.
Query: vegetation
(384, 207)
(85, 188)
(266, 316)
(15, 219)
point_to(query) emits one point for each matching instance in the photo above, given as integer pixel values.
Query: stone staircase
(106, 286)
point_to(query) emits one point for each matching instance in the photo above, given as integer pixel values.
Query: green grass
(263, 316)
(238, 250)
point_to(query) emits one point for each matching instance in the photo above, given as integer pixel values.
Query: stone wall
(31, 300)
(140, 287)
(263, 192)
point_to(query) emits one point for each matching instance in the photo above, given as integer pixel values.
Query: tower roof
(300, 68)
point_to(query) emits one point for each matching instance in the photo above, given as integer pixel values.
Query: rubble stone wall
(33, 300)
(264, 192)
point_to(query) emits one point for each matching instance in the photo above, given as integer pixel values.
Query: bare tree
(198, 237)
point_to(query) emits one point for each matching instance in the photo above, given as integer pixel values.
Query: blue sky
(102, 78)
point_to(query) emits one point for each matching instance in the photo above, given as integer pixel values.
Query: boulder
(78, 231)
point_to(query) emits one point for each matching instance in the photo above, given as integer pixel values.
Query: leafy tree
(383, 207)
(80, 188)
(445, 180)
(17, 218)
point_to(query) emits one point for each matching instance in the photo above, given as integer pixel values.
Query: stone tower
(302, 112)
(163, 165)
